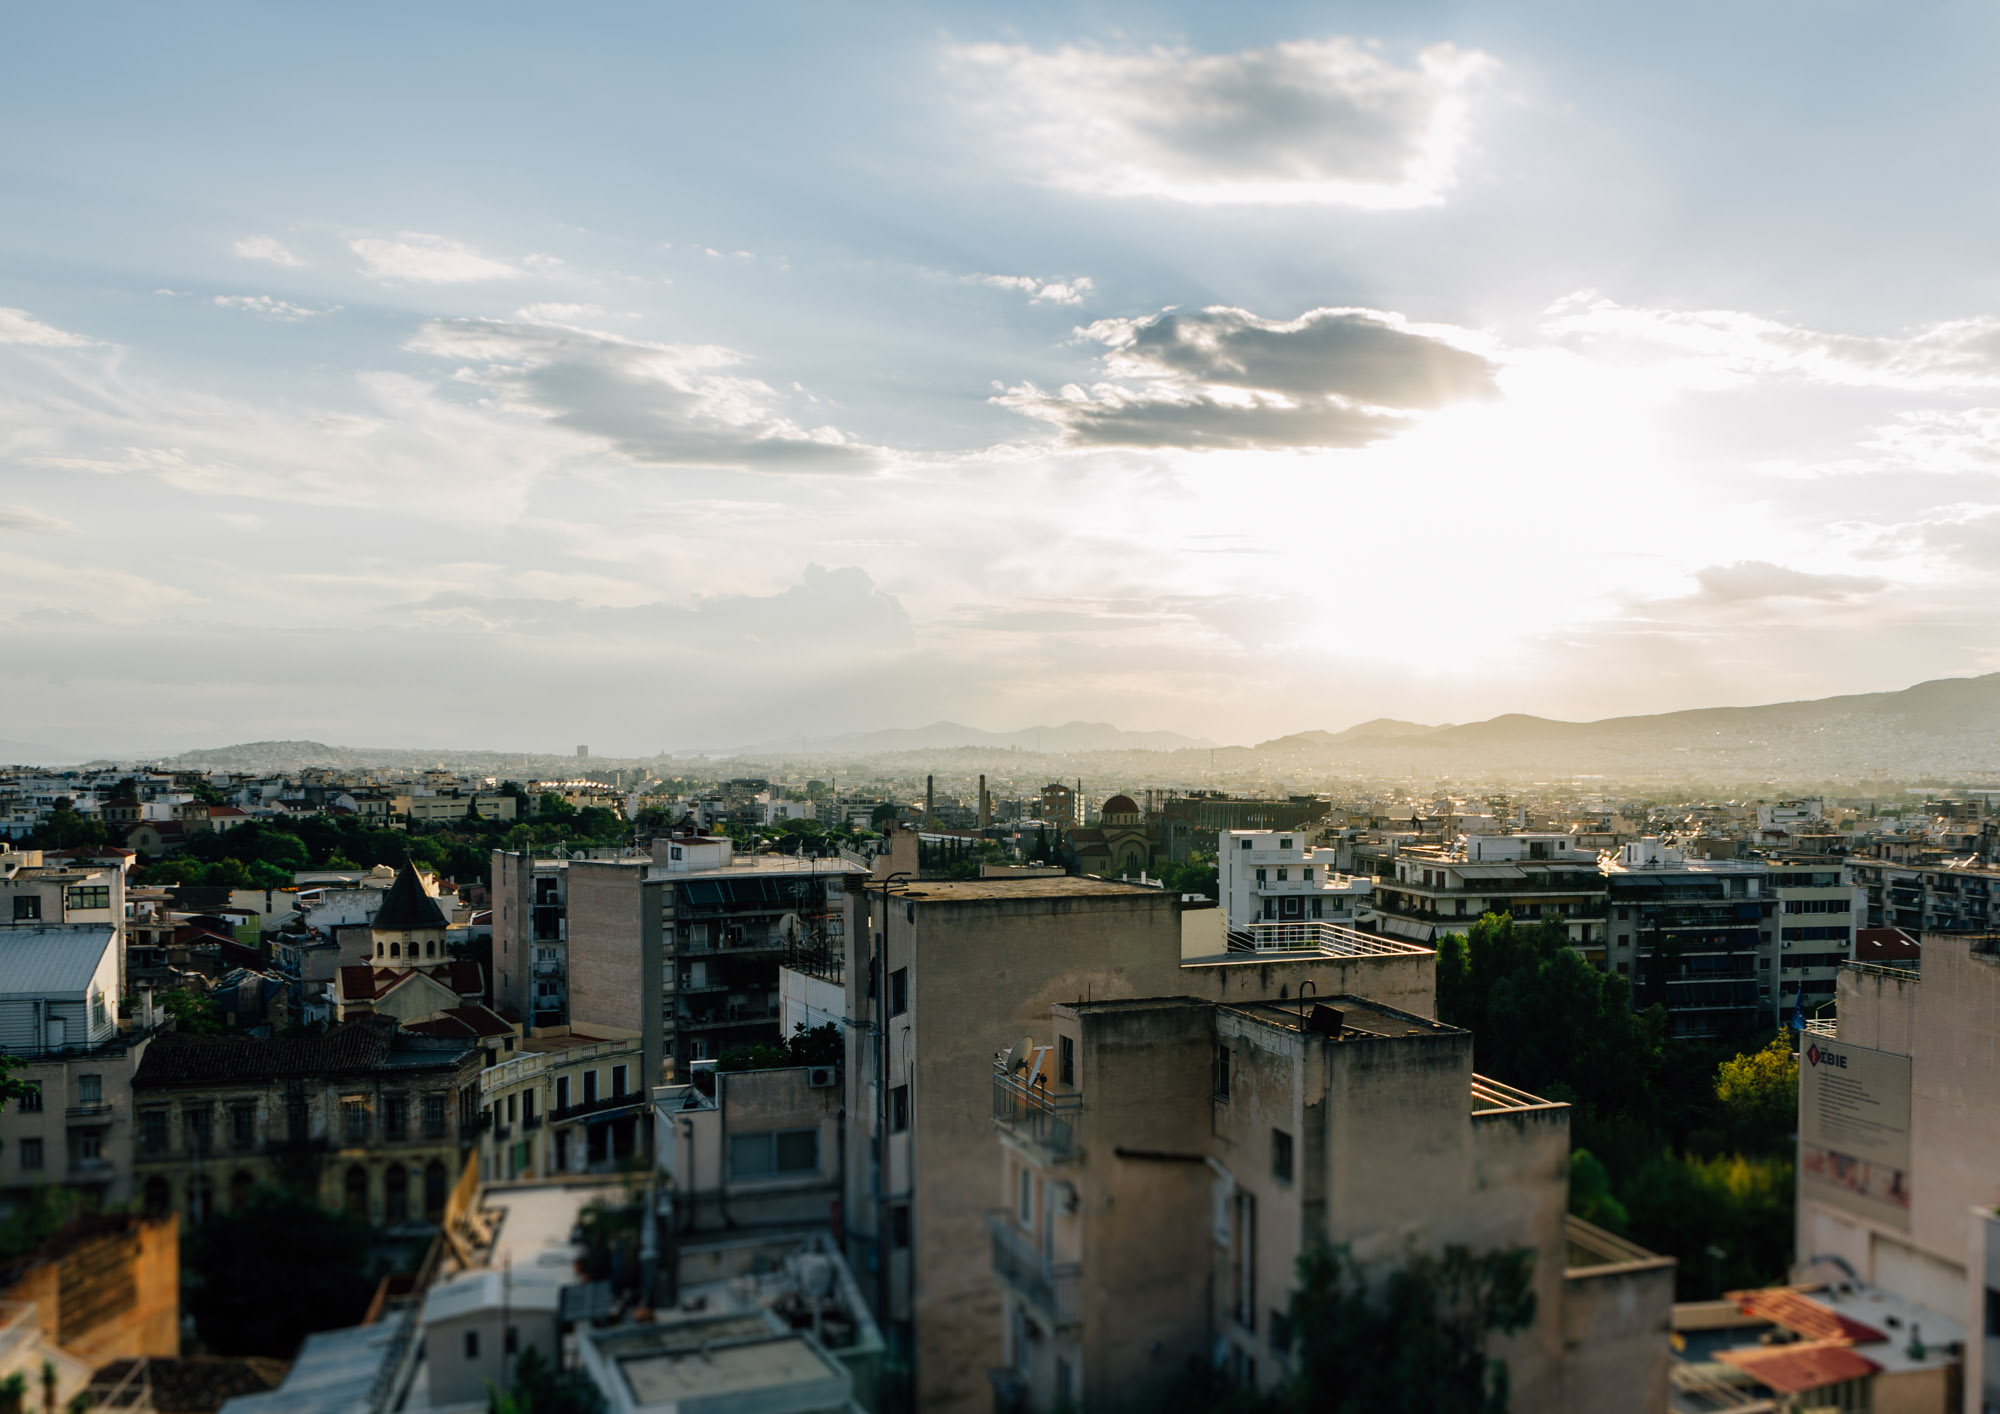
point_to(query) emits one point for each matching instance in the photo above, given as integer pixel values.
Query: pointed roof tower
(406, 907)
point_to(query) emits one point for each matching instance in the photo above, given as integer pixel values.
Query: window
(527, 1107)
(90, 1148)
(1024, 1202)
(562, 1092)
(395, 1117)
(590, 1087)
(153, 1131)
(1281, 1156)
(27, 908)
(200, 1127)
(1307, 873)
(510, 1109)
(1281, 1332)
(88, 896)
(433, 1116)
(472, 1345)
(899, 1109)
(1066, 1060)
(98, 1015)
(31, 1099)
(617, 1083)
(242, 1125)
(899, 1225)
(1281, 873)
(1246, 844)
(1222, 1072)
(298, 1120)
(1260, 876)
(90, 1089)
(513, 1340)
(31, 1153)
(899, 991)
(774, 1153)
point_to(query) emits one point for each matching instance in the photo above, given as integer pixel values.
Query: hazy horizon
(668, 379)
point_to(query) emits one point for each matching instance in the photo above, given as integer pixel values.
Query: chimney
(930, 799)
(985, 805)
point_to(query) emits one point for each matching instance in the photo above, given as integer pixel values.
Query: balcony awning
(1407, 928)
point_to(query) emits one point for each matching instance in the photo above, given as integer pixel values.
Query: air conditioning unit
(822, 1077)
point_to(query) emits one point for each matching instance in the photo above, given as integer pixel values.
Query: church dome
(1121, 805)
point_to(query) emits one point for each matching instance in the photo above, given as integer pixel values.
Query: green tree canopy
(1759, 1092)
(260, 1279)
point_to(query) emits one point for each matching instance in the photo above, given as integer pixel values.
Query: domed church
(1121, 843)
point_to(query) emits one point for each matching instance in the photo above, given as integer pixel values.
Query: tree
(1197, 875)
(191, 1012)
(1759, 1092)
(1590, 1195)
(538, 1387)
(261, 1278)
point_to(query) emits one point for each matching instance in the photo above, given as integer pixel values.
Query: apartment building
(366, 1118)
(565, 1100)
(1819, 910)
(1899, 1145)
(1428, 890)
(941, 975)
(1163, 1162)
(41, 891)
(1276, 876)
(1697, 936)
(1920, 890)
(59, 1017)
(530, 937)
(756, 1149)
(682, 945)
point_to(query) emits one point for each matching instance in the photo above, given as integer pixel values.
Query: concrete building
(1899, 1146)
(1277, 876)
(1697, 936)
(566, 1100)
(1923, 891)
(752, 1148)
(39, 891)
(1819, 915)
(530, 937)
(59, 1017)
(945, 974)
(364, 1118)
(1431, 890)
(478, 1323)
(1165, 1161)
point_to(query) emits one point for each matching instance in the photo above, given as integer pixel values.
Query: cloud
(553, 313)
(1225, 378)
(1748, 581)
(17, 326)
(1956, 355)
(1041, 291)
(22, 521)
(419, 259)
(668, 404)
(271, 308)
(266, 248)
(1329, 122)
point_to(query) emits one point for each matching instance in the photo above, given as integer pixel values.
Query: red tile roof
(1789, 1369)
(476, 1021)
(1885, 945)
(1796, 1311)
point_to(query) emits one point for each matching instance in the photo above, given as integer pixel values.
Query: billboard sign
(1854, 1129)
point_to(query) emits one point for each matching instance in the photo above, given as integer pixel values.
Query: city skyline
(672, 380)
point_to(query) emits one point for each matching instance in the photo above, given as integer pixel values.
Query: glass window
(590, 1087)
(153, 1131)
(354, 1121)
(200, 1127)
(395, 1117)
(899, 991)
(1066, 1060)
(434, 1116)
(899, 1109)
(31, 1099)
(562, 1092)
(1222, 1072)
(90, 1089)
(31, 1153)
(1281, 1156)
(617, 1080)
(776, 1153)
(27, 908)
(242, 1125)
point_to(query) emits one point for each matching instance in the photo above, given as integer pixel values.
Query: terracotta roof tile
(1796, 1311)
(1789, 1369)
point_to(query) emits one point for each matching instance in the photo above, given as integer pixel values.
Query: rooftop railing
(1330, 939)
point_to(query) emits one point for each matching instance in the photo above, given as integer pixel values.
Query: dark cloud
(1222, 378)
(668, 404)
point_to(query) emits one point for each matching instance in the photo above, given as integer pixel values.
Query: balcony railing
(1040, 1115)
(97, 1109)
(1052, 1289)
(603, 1105)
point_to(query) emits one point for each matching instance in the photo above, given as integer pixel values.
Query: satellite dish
(1018, 1053)
(789, 927)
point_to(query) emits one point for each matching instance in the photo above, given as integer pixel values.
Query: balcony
(98, 1111)
(1036, 1114)
(548, 969)
(1052, 1290)
(1327, 939)
(608, 1104)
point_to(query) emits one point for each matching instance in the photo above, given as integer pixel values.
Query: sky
(664, 377)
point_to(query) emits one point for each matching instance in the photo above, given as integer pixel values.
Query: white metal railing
(1329, 938)
(1489, 1094)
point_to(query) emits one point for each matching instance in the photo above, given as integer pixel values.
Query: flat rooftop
(967, 890)
(1360, 1018)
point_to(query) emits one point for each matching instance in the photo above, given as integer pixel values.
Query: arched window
(378, 949)
(395, 949)
(431, 948)
(159, 1195)
(396, 1194)
(357, 1191)
(436, 1184)
(240, 1184)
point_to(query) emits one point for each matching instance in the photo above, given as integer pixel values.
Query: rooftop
(335, 1373)
(1356, 1017)
(1046, 886)
(51, 962)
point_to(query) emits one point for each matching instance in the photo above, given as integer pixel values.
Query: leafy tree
(1590, 1195)
(35, 1217)
(191, 1012)
(538, 1387)
(64, 828)
(1196, 875)
(882, 813)
(553, 809)
(260, 1279)
(759, 1055)
(1759, 1092)
(1727, 1218)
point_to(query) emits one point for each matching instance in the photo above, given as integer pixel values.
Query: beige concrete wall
(109, 1289)
(616, 971)
(1617, 1324)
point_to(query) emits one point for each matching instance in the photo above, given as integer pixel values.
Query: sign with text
(1854, 1129)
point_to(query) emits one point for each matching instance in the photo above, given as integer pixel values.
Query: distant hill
(1948, 726)
(943, 736)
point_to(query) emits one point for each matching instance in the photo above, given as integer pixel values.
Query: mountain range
(943, 736)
